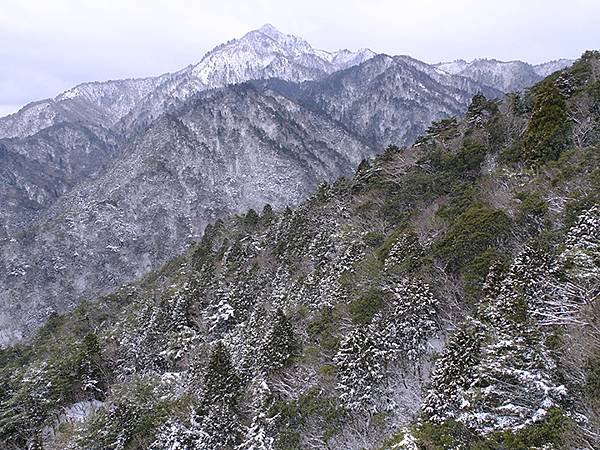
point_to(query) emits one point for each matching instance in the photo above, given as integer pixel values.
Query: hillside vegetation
(444, 297)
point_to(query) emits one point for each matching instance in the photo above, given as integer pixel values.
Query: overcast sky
(47, 46)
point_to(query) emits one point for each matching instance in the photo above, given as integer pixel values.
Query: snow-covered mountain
(549, 67)
(268, 53)
(507, 76)
(446, 296)
(259, 54)
(108, 180)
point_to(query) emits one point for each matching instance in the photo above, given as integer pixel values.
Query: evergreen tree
(251, 219)
(280, 344)
(359, 369)
(220, 425)
(547, 131)
(221, 382)
(220, 428)
(91, 372)
(267, 216)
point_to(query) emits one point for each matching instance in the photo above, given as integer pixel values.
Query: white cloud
(48, 46)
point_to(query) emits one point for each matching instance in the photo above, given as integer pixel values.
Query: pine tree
(220, 425)
(91, 372)
(251, 219)
(280, 344)
(454, 373)
(174, 435)
(220, 428)
(268, 216)
(359, 369)
(221, 382)
(258, 434)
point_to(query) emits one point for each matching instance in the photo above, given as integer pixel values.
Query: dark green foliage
(549, 432)
(476, 230)
(280, 344)
(468, 159)
(475, 272)
(547, 131)
(462, 196)
(221, 381)
(313, 405)
(366, 306)
(92, 372)
(532, 204)
(442, 130)
(579, 75)
(452, 434)
(592, 379)
(480, 110)
(251, 218)
(446, 435)
(323, 329)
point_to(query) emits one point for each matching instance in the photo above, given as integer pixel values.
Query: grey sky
(47, 46)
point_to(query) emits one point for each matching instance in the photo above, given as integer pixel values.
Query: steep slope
(224, 152)
(241, 147)
(506, 76)
(260, 54)
(550, 67)
(388, 99)
(101, 152)
(39, 169)
(444, 297)
(96, 104)
(115, 112)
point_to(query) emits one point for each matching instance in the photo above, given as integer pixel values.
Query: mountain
(259, 54)
(112, 113)
(225, 152)
(109, 180)
(550, 67)
(221, 152)
(506, 76)
(444, 296)
(388, 99)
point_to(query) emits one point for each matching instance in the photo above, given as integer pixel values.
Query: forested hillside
(446, 296)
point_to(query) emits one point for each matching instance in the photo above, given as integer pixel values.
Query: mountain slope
(109, 180)
(444, 297)
(39, 169)
(388, 99)
(219, 152)
(114, 112)
(222, 153)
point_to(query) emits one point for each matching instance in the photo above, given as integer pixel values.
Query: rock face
(108, 180)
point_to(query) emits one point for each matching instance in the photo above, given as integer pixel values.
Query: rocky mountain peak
(268, 53)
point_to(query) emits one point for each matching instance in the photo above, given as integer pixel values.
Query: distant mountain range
(507, 76)
(110, 179)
